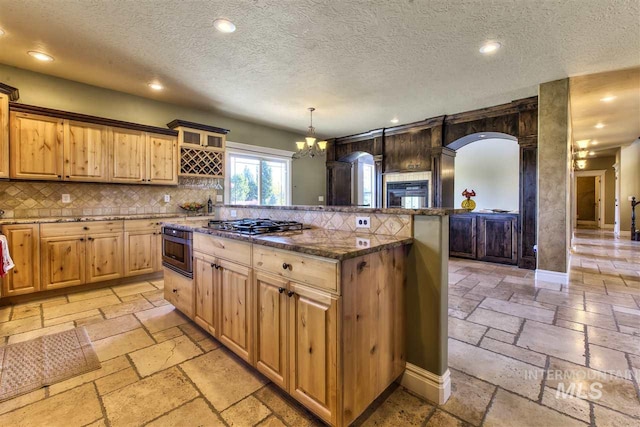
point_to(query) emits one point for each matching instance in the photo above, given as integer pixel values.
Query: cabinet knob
(85, 228)
(90, 239)
(290, 294)
(281, 290)
(82, 239)
(286, 266)
(175, 291)
(213, 265)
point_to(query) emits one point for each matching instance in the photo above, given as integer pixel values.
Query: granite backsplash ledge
(36, 199)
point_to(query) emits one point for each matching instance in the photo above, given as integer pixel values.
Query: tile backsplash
(30, 199)
(390, 224)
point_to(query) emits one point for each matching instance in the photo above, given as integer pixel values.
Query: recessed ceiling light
(599, 126)
(156, 86)
(394, 120)
(224, 25)
(490, 47)
(608, 98)
(1, 32)
(594, 142)
(40, 56)
(592, 153)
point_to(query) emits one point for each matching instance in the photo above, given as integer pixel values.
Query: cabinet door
(462, 236)
(163, 159)
(104, 257)
(128, 156)
(24, 246)
(207, 282)
(36, 146)
(498, 238)
(86, 152)
(179, 290)
(235, 322)
(4, 136)
(313, 350)
(271, 328)
(140, 252)
(63, 261)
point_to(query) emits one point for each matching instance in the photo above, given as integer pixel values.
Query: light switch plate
(167, 198)
(234, 213)
(321, 198)
(66, 198)
(363, 222)
(219, 198)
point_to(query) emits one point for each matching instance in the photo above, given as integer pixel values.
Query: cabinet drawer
(76, 228)
(145, 224)
(232, 250)
(179, 290)
(307, 269)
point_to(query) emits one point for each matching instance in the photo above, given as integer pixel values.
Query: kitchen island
(319, 312)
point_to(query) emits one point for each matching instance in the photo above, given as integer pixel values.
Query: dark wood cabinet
(409, 151)
(484, 237)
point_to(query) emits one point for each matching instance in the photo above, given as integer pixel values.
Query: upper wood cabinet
(408, 151)
(4, 135)
(86, 151)
(163, 159)
(55, 145)
(201, 149)
(138, 157)
(36, 148)
(128, 156)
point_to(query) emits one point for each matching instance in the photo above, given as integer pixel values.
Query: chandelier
(309, 147)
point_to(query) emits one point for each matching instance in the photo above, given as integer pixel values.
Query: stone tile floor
(514, 343)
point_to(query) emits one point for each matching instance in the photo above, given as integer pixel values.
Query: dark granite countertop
(355, 209)
(114, 217)
(321, 242)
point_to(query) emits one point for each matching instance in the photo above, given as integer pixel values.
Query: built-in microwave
(408, 194)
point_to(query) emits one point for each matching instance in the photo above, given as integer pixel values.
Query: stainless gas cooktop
(255, 226)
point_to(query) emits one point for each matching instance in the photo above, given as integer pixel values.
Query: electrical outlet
(66, 198)
(234, 213)
(362, 243)
(321, 198)
(167, 198)
(363, 222)
(219, 198)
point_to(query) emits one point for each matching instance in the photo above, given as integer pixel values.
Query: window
(257, 175)
(368, 185)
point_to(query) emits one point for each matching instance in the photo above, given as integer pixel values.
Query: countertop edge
(355, 209)
(35, 220)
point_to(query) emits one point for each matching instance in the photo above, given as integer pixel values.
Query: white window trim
(266, 153)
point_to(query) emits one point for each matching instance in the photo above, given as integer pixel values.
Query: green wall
(308, 175)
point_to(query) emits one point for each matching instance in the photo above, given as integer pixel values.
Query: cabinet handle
(82, 239)
(85, 228)
(213, 265)
(68, 176)
(286, 266)
(290, 294)
(175, 291)
(281, 290)
(59, 176)
(90, 239)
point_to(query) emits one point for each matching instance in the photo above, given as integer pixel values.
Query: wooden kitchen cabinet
(104, 257)
(179, 291)
(484, 236)
(4, 135)
(86, 152)
(163, 159)
(271, 329)
(36, 147)
(128, 159)
(142, 246)
(207, 290)
(24, 246)
(78, 253)
(63, 261)
(235, 308)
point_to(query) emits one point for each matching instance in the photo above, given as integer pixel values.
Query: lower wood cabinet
(485, 237)
(63, 261)
(104, 257)
(24, 247)
(178, 290)
(298, 334)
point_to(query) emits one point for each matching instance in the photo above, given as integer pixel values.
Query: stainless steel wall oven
(177, 250)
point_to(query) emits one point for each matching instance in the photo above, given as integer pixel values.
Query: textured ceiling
(620, 117)
(360, 63)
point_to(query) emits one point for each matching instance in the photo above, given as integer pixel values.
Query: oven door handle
(175, 239)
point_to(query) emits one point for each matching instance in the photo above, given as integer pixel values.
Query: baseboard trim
(625, 233)
(552, 276)
(608, 226)
(436, 388)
